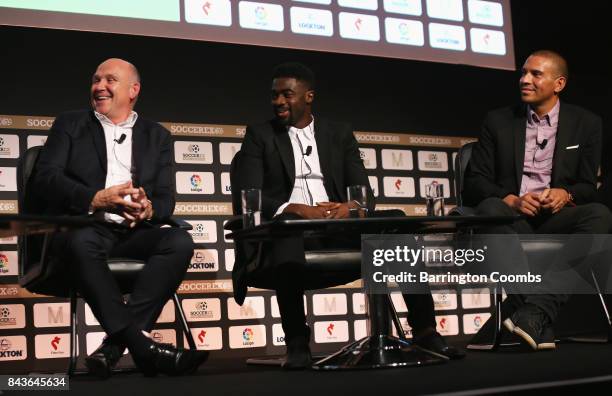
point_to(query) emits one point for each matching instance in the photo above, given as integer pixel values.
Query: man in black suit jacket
(539, 159)
(303, 166)
(117, 166)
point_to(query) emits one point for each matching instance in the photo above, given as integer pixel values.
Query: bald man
(116, 166)
(540, 160)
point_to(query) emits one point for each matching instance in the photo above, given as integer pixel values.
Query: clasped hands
(113, 199)
(531, 204)
(322, 210)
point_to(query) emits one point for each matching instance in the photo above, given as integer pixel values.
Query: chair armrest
(179, 223)
(234, 223)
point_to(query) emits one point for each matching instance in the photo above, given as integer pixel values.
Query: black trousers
(290, 278)
(593, 218)
(166, 251)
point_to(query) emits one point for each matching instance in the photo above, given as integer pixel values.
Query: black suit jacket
(266, 162)
(72, 165)
(496, 166)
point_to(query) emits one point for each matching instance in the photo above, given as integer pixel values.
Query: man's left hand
(554, 199)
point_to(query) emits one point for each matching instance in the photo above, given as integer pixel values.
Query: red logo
(358, 23)
(201, 336)
(398, 184)
(443, 323)
(486, 39)
(206, 7)
(54, 342)
(330, 328)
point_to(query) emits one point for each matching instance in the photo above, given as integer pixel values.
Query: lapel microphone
(123, 136)
(543, 144)
(308, 151)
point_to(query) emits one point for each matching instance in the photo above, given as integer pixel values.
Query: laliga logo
(247, 335)
(398, 184)
(403, 29)
(196, 181)
(330, 328)
(54, 342)
(260, 13)
(201, 336)
(3, 263)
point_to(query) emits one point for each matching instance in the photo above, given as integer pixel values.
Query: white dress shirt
(118, 155)
(308, 188)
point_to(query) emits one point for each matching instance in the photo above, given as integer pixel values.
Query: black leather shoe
(102, 361)
(434, 342)
(533, 326)
(298, 354)
(166, 359)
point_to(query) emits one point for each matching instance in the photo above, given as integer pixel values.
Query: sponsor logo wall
(34, 329)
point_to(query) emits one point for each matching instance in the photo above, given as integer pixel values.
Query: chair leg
(604, 307)
(184, 325)
(73, 334)
(498, 316)
(396, 321)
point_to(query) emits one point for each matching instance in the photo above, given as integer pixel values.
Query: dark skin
(291, 101)
(540, 85)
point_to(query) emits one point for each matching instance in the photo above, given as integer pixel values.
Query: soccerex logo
(193, 148)
(202, 306)
(5, 313)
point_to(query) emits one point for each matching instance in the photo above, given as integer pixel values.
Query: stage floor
(578, 367)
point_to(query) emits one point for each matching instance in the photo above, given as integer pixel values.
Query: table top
(370, 225)
(16, 224)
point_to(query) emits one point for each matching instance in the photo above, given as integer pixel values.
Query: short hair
(295, 70)
(558, 60)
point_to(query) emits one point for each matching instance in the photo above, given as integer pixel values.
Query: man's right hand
(528, 204)
(308, 212)
(112, 199)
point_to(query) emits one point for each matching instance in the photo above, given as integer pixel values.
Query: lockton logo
(226, 184)
(204, 260)
(278, 335)
(13, 348)
(164, 335)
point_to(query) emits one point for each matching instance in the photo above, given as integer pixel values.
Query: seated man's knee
(493, 206)
(180, 241)
(599, 216)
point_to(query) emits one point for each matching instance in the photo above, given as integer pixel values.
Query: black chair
(343, 263)
(531, 249)
(40, 273)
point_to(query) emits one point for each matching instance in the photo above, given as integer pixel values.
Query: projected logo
(359, 26)
(406, 7)
(485, 13)
(447, 37)
(402, 31)
(451, 10)
(262, 16)
(488, 41)
(209, 12)
(312, 22)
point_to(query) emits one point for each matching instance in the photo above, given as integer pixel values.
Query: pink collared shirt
(540, 139)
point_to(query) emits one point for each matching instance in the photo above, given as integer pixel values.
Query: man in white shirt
(113, 164)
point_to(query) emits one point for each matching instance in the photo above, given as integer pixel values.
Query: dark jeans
(166, 251)
(590, 218)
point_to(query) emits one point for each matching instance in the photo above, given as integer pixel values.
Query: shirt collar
(551, 118)
(307, 129)
(128, 123)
